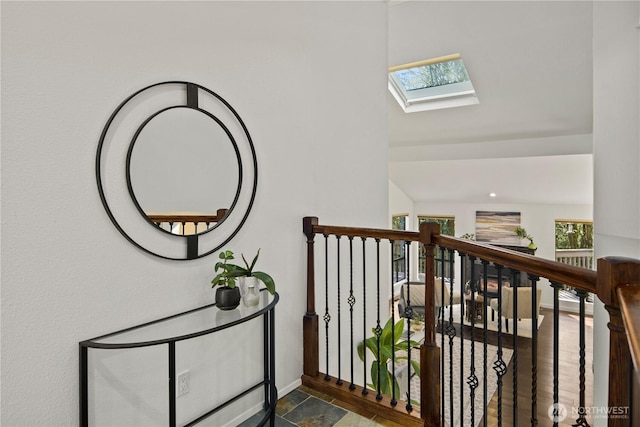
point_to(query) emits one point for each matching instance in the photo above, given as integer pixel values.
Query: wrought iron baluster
(515, 279)
(394, 401)
(499, 366)
(378, 330)
(534, 350)
(451, 331)
(485, 267)
(365, 390)
(451, 253)
(327, 316)
(442, 333)
(581, 420)
(409, 315)
(351, 300)
(472, 379)
(339, 380)
(556, 348)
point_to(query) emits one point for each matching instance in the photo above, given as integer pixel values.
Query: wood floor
(568, 384)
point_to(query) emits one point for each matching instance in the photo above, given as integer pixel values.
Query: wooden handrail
(372, 233)
(629, 297)
(577, 277)
(558, 272)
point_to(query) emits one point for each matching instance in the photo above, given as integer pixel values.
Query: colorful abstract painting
(497, 227)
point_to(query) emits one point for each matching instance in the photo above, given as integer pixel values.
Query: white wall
(400, 203)
(67, 273)
(538, 220)
(616, 140)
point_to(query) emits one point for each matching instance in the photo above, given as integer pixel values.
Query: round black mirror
(176, 170)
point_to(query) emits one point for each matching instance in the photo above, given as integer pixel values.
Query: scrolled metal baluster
(581, 420)
(378, 329)
(409, 316)
(442, 333)
(451, 253)
(352, 301)
(499, 366)
(514, 359)
(556, 348)
(534, 350)
(327, 316)
(364, 309)
(472, 379)
(339, 380)
(393, 401)
(485, 267)
(451, 333)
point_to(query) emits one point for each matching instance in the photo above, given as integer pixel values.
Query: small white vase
(250, 297)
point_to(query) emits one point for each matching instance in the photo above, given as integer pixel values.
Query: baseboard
(257, 408)
(289, 388)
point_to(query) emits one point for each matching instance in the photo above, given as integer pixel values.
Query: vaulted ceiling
(529, 140)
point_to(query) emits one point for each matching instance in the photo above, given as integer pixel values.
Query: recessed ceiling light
(492, 194)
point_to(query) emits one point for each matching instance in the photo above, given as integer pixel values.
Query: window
(432, 84)
(448, 228)
(574, 246)
(399, 222)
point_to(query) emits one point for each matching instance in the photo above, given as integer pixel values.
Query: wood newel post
(311, 362)
(614, 272)
(429, 350)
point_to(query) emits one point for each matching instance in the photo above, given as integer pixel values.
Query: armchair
(525, 295)
(416, 292)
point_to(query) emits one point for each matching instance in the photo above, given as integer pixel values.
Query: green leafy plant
(230, 272)
(522, 233)
(383, 353)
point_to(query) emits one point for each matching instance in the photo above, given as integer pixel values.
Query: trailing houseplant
(229, 274)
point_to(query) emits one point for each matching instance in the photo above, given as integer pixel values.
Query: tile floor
(304, 407)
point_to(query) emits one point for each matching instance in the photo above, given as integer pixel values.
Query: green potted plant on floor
(382, 355)
(228, 294)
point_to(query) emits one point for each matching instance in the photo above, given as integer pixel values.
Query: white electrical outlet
(183, 383)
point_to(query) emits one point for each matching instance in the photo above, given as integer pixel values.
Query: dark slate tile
(314, 412)
(254, 420)
(290, 401)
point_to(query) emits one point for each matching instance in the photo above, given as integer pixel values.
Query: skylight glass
(432, 84)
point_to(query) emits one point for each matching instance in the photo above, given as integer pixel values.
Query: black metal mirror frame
(192, 249)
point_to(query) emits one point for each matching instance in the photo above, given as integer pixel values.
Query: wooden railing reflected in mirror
(186, 223)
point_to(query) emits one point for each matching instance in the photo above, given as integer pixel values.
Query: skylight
(432, 84)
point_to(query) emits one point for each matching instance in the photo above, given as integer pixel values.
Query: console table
(184, 326)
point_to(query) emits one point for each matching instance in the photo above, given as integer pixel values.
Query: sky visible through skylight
(432, 84)
(433, 75)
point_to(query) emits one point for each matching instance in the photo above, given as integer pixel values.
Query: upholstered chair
(525, 296)
(415, 293)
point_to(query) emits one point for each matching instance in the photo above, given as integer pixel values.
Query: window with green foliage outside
(399, 222)
(448, 228)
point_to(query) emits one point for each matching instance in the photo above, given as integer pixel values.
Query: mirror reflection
(184, 171)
